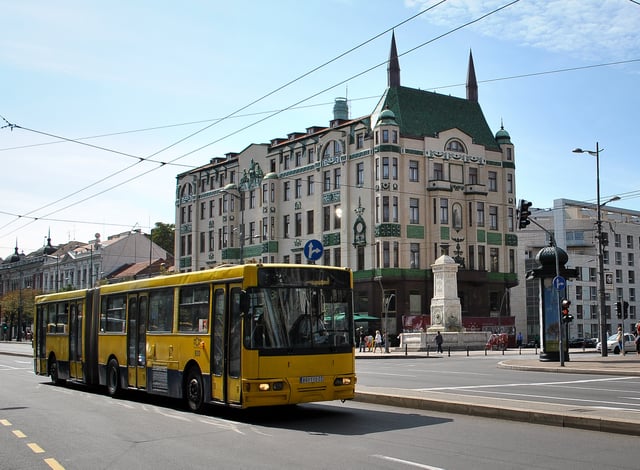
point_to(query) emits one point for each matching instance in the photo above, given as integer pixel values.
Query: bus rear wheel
(194, 391)
(113, 378)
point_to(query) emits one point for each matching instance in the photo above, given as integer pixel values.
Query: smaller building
(573, 224)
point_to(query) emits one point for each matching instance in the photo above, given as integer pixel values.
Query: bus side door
(226, 343)
(136, 340)
(75, 339)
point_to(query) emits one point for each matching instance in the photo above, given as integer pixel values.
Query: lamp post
(601, 294)
(230, 190)
(386, 314)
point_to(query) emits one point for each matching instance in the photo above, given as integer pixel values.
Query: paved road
(584, 417)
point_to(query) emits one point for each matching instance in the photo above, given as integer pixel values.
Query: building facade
(573, 224)
(387, 194)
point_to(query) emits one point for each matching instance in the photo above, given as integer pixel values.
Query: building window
(394, 168)
(394, 137)
(286, 225)
(298, 189)
(327, 181)
(444, 211)
(494, 255)
(386, 255)
(414, 255)
(287, 161)
(311, 154)
(385, 208)
(493, 217)
(630, 260)
(414, 171)
(455, 146)
(618, 258)
(202, 242)
(510, 219)
(298, 222)
(592, 274)
(385, 136)
(481, 258)
(336, 178)
(298, 158)
(396, 254)
(212, 237)
(337, 257)
(632, 277)
(360, 174)
(309, 222)
(394, 210)
(414, 211)
(512, 261)
(438, 171)
(337, 217)
(480, 214)
(510, 183)
(493, 181)
(310, 185)
(617, 240)
(473, 175)
(472, 257)
(287, 191)
(630, 242)
(360, 140)
(578, 292)
(385, 168)
(326, 218)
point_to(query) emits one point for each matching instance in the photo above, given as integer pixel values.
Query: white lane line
(407, 462)
(472, 387)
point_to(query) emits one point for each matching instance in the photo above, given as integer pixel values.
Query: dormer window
(455, 145)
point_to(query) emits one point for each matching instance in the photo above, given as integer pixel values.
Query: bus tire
(194, 390)
(113, 378)
(53, 371)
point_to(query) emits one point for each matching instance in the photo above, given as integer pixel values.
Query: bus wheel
(53, 371)
(194, 389)
(113, 378)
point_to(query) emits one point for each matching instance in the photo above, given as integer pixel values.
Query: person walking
(620, 339)
(439, 341)
(377, 341)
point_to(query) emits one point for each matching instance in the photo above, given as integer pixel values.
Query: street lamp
(231, 190)
(601, 294)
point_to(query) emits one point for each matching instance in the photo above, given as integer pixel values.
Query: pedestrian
(363, 341)
(378, 342)
(519, 339)
(620, 339)
(439, 341)
(638, 345)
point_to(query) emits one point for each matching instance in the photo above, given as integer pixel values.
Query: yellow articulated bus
(242, 335)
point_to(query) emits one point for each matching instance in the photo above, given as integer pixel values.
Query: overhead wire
(141, 159)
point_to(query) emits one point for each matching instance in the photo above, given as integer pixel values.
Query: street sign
(313, 250)
(559, 283)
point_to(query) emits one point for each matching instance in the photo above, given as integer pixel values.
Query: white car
(613, 346)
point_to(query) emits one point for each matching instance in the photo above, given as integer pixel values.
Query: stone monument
(446, 311)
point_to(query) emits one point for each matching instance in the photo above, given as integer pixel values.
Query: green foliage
(164, 236)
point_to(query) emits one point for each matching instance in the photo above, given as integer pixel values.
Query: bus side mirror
(244, 302)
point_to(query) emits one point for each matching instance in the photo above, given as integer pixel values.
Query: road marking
(407, 462)
(19, 434)
(53, 463)
(472, 387)
(35, 448)
(5, 422)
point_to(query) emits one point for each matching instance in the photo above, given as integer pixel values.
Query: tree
(164, 236)
(11, 302)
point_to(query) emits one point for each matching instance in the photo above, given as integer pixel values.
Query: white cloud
(603, 30)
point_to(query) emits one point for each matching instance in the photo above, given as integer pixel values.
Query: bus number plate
(312, 379)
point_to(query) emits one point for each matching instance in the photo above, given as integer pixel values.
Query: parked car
(582, 343)
(613, 346)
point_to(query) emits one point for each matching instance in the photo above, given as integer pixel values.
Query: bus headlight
(264, 387)
(275, 386)
(342, 381)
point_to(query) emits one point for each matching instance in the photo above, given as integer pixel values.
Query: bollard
(485, 351)
(520, 350)
(503, 348)
(449, 351)
(427, 350)
(405, 349)
(467, 351)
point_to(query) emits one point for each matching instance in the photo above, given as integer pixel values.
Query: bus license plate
(312, 379)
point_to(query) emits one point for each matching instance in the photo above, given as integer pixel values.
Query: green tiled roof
(422, 113)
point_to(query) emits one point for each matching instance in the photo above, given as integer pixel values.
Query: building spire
(393, 68)
(472, 83)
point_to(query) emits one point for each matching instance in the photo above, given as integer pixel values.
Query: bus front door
(136, 341)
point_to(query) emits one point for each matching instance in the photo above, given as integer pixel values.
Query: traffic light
(524, 213)
(566, 316)
(625, 309)
(619, 309)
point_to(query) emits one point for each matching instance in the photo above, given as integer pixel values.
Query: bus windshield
(299, 318)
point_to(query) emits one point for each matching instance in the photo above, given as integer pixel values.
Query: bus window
(193, 314)
(112, 314)
(218, 332)
(161, 311)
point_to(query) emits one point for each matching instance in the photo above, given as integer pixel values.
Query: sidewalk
(581, 362)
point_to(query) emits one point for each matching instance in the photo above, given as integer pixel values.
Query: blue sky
(139, 79)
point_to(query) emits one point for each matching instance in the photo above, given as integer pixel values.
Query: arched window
(455, 145)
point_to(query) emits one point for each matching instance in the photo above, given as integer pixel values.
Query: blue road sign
(559, 283)
(313, 250)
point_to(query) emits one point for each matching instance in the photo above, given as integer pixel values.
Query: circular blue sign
(559, 283)
(313, 250)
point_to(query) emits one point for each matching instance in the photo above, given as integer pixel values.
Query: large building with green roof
(387, 194)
